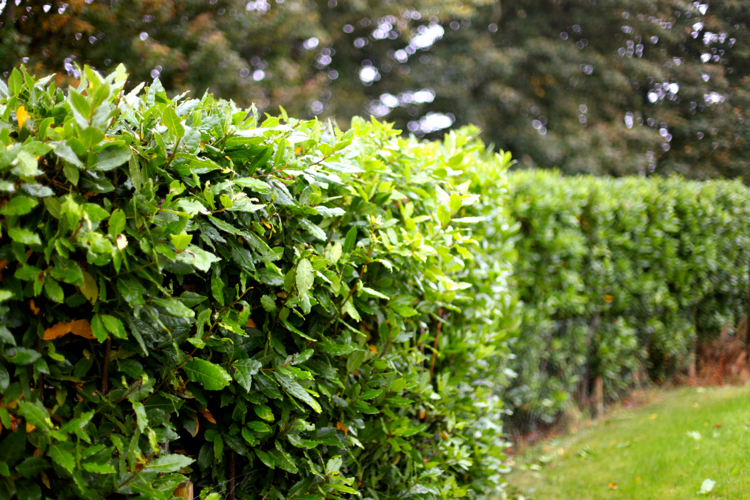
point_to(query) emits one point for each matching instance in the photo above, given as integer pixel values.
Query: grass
(662, 450)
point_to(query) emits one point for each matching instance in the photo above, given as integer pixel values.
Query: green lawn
(662, 450)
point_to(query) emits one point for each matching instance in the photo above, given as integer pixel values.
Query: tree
(598, 86)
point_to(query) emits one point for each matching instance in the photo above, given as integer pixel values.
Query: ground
(664, 449)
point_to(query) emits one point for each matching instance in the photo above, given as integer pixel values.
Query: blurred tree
(596, 86)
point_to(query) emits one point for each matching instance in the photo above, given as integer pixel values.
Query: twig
(105, 368)
(435, 345)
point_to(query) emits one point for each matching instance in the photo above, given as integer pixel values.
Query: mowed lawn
(665, 449)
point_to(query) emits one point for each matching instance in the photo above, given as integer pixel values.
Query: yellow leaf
(608, 298)
(33, 307)
(208, 416)
(89, 288)
(250, 323)
(613, 485)
(29, 428)
(652, 416)
(56, 331)
(342, 427)
(197, 425)
(373, 349)
(80, 327)
(22, 116)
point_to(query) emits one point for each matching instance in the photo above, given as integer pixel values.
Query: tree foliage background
(589, 86)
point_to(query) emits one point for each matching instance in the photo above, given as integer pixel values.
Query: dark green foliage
(618, 276)
(190, 292)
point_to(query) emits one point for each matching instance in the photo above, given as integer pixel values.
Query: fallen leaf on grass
(652, 416)
(613, 485)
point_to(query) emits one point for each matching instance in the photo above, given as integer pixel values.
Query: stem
(231, 475)
(174, 152)
(105, 368)
(435, 345)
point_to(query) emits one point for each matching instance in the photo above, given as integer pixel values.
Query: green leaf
(12, 447)
(455, 203)
(170, 463)
(32, 466)
(284, 460)
(198, 257)
(351, 239)
(313, 229)
(172, 122)
(256, 185)
(67, 272)
(132, 291)
(98, 468)
(111, 157)
(212, 376)
(265, 458)
(268, 302)
(305, 276)
(264, 412)
(15, 82)
(258, 426)
(244, 371)
(62, 457)
(54, 291)
(28, 490)
(175, 308)
(443, 215)
(402, 305)
(79, 103)
(116, 222)
(24, 236)
(103, 324)
(91, 136)
(293, 388)
(27, 273)
(371, 394)
(180, 241)
(66, 153)
(19, 205)
(27, 164)
(21, 355)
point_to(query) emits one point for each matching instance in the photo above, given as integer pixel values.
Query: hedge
(620, 277)
(267, 307)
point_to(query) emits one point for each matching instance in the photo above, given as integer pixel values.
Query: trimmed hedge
(270, 308)
(618, 276)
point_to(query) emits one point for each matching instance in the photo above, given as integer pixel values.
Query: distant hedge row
(267, 307)
(618, 276)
